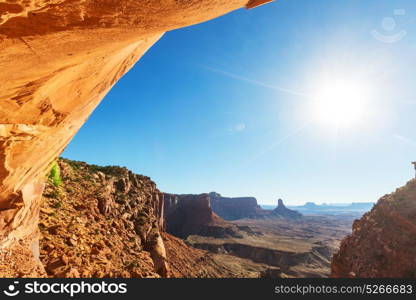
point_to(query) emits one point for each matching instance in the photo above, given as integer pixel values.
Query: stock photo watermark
(70, 289)
(390, 32)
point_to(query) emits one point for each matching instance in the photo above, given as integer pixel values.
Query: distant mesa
(310, 205)
(235, 208)
(217, 207)
(248, 208)
(192, 215)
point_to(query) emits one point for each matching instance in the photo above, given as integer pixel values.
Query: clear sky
(300, 100)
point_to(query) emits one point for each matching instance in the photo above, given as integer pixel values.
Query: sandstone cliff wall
(235, 208)
(248, 208)
(192, 214)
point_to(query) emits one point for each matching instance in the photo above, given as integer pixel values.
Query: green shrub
(55, 175)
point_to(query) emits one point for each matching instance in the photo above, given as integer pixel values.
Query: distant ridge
(333, 209)
(248, 208)
(217, 208)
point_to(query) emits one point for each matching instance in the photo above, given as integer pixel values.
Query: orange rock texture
(58, 59)
(383, 242)
(107, 222)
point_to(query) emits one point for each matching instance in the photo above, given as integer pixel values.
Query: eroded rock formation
(282, 211)
(58, 59)
(235, 208)
(383, 242)
(192, 214)
(248, 208)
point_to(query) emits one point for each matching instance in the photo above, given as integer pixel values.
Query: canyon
(100, 222)
(59, 59)
(65, 56)
(278, 243)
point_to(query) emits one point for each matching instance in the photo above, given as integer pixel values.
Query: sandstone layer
(58, 59)
(383, 242)
(235, 208)
(192, 214)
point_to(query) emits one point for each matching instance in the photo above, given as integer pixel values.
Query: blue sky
(229, 105)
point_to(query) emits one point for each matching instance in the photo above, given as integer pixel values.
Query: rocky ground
(87, 226)
(383, 242)
(106, 222)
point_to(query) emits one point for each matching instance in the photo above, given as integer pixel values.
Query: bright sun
(340, 103)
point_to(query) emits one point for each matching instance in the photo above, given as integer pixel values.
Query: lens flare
(340, 103)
